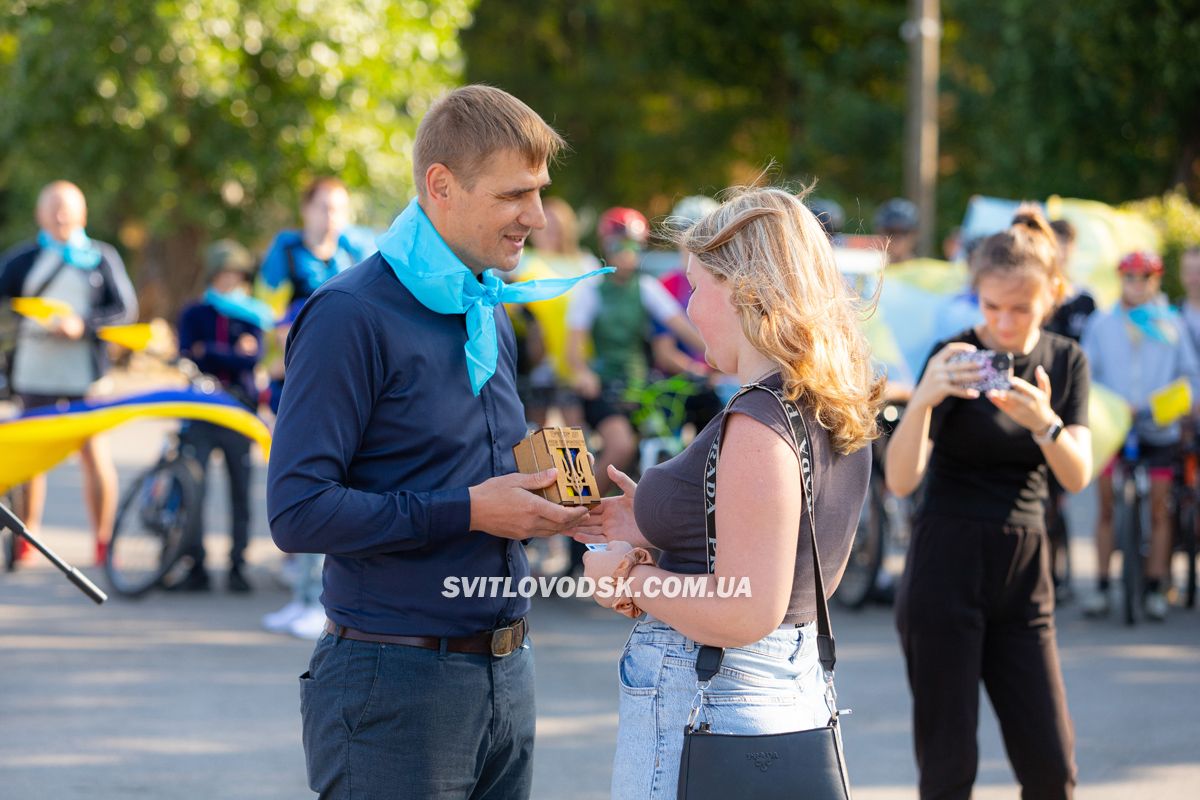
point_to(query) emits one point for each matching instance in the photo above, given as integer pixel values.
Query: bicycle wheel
(1187, 535)
(157, 521)
(1128, 518)
(866, 552)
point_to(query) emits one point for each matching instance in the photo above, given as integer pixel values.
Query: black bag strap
(44, 285)
(707, 663)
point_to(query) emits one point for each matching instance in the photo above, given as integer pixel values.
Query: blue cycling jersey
(289, 260)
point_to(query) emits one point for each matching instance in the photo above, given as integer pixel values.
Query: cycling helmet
(1141, 262)
(690, 210)
(829, 213)
(623, 223)
(896, 216)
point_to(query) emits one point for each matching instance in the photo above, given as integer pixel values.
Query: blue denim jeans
(388, 721)
(774, 685)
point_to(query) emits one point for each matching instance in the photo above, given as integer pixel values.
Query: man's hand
(68, 327)
(246, 345)
(505, 506)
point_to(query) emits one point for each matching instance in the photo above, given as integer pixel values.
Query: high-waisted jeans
(774, 685)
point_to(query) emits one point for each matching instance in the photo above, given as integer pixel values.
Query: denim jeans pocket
(639, 668)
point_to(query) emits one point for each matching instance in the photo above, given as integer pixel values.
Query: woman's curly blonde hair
(794, 305)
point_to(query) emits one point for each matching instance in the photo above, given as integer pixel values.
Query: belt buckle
(506, 640)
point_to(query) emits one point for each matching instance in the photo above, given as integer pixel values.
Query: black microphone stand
(17, 528)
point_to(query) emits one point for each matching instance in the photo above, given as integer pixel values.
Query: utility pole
(923, 32)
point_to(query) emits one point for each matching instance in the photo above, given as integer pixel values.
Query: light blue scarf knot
(1154, 320)
(428, 268)
(78, 251)
(241, 306)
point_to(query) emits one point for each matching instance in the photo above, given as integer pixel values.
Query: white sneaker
(1155, 606)
(278, 621)
(310, 624)
(1096, 605)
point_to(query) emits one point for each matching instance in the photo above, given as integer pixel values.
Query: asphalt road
(185, 697)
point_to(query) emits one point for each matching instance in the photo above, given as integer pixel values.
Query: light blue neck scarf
(428, 268)
(241, 306)
(1154, 320)
(77, 251)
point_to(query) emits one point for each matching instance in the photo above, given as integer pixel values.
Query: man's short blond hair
(466, 127)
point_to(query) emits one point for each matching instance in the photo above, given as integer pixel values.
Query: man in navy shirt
(393, 456)
(222, 334)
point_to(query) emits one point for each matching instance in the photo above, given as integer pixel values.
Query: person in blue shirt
(393, 456)
(222, 333)
(306, 258)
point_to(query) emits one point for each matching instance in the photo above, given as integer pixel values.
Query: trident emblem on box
(566, 450)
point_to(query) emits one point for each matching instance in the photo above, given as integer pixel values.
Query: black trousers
(976, 603)
(201, 438)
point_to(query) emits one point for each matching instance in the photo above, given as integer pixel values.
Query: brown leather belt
(499, 643)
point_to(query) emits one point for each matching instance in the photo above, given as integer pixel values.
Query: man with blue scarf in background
(393, 456)
(57, 363)
(1136, 349)
(222, 334)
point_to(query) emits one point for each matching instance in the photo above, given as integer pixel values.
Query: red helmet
(623, 223)
(1141, 263)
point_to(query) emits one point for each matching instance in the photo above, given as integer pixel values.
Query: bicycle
(159, 517)
(1131, 506)
(1185, 503)
(884, 526)
(658, 410)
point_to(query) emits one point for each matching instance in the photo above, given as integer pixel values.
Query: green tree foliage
(184, 120)
(1097, 100)
(666, 99)
(1178, 221)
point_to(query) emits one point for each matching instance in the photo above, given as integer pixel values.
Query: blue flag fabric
(428, 268)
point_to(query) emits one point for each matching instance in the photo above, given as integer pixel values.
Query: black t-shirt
(984, 466)
(1072, 316)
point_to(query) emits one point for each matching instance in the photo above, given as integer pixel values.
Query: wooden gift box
(566, 450)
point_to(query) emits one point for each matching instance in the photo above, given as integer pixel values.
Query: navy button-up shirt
(377, 440)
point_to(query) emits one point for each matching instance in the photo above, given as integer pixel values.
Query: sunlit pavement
(186, 697)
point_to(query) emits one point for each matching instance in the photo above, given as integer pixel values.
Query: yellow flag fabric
(1172, 402)
(41, 309)
(44, 309)
(38, 440)
(131, 337)
(1109, 419)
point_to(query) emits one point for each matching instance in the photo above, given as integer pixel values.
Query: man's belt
(499, 642)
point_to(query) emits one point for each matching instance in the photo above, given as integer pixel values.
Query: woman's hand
(612, 520)
(599, 564)
(943, 379)
(1028, 405)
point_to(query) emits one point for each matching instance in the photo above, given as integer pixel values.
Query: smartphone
(995, 369)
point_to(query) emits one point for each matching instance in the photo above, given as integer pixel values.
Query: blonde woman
(772, 310)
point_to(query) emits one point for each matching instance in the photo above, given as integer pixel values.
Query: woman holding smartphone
(977, 601)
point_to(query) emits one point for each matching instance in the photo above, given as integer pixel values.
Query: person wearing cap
(1136, 349)
(896, 221)
(222, 333)
(615, 314)
(57, 364)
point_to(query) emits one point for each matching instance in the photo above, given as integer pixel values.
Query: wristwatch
(1051, 433)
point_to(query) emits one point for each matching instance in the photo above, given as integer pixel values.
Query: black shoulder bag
(805, 763)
